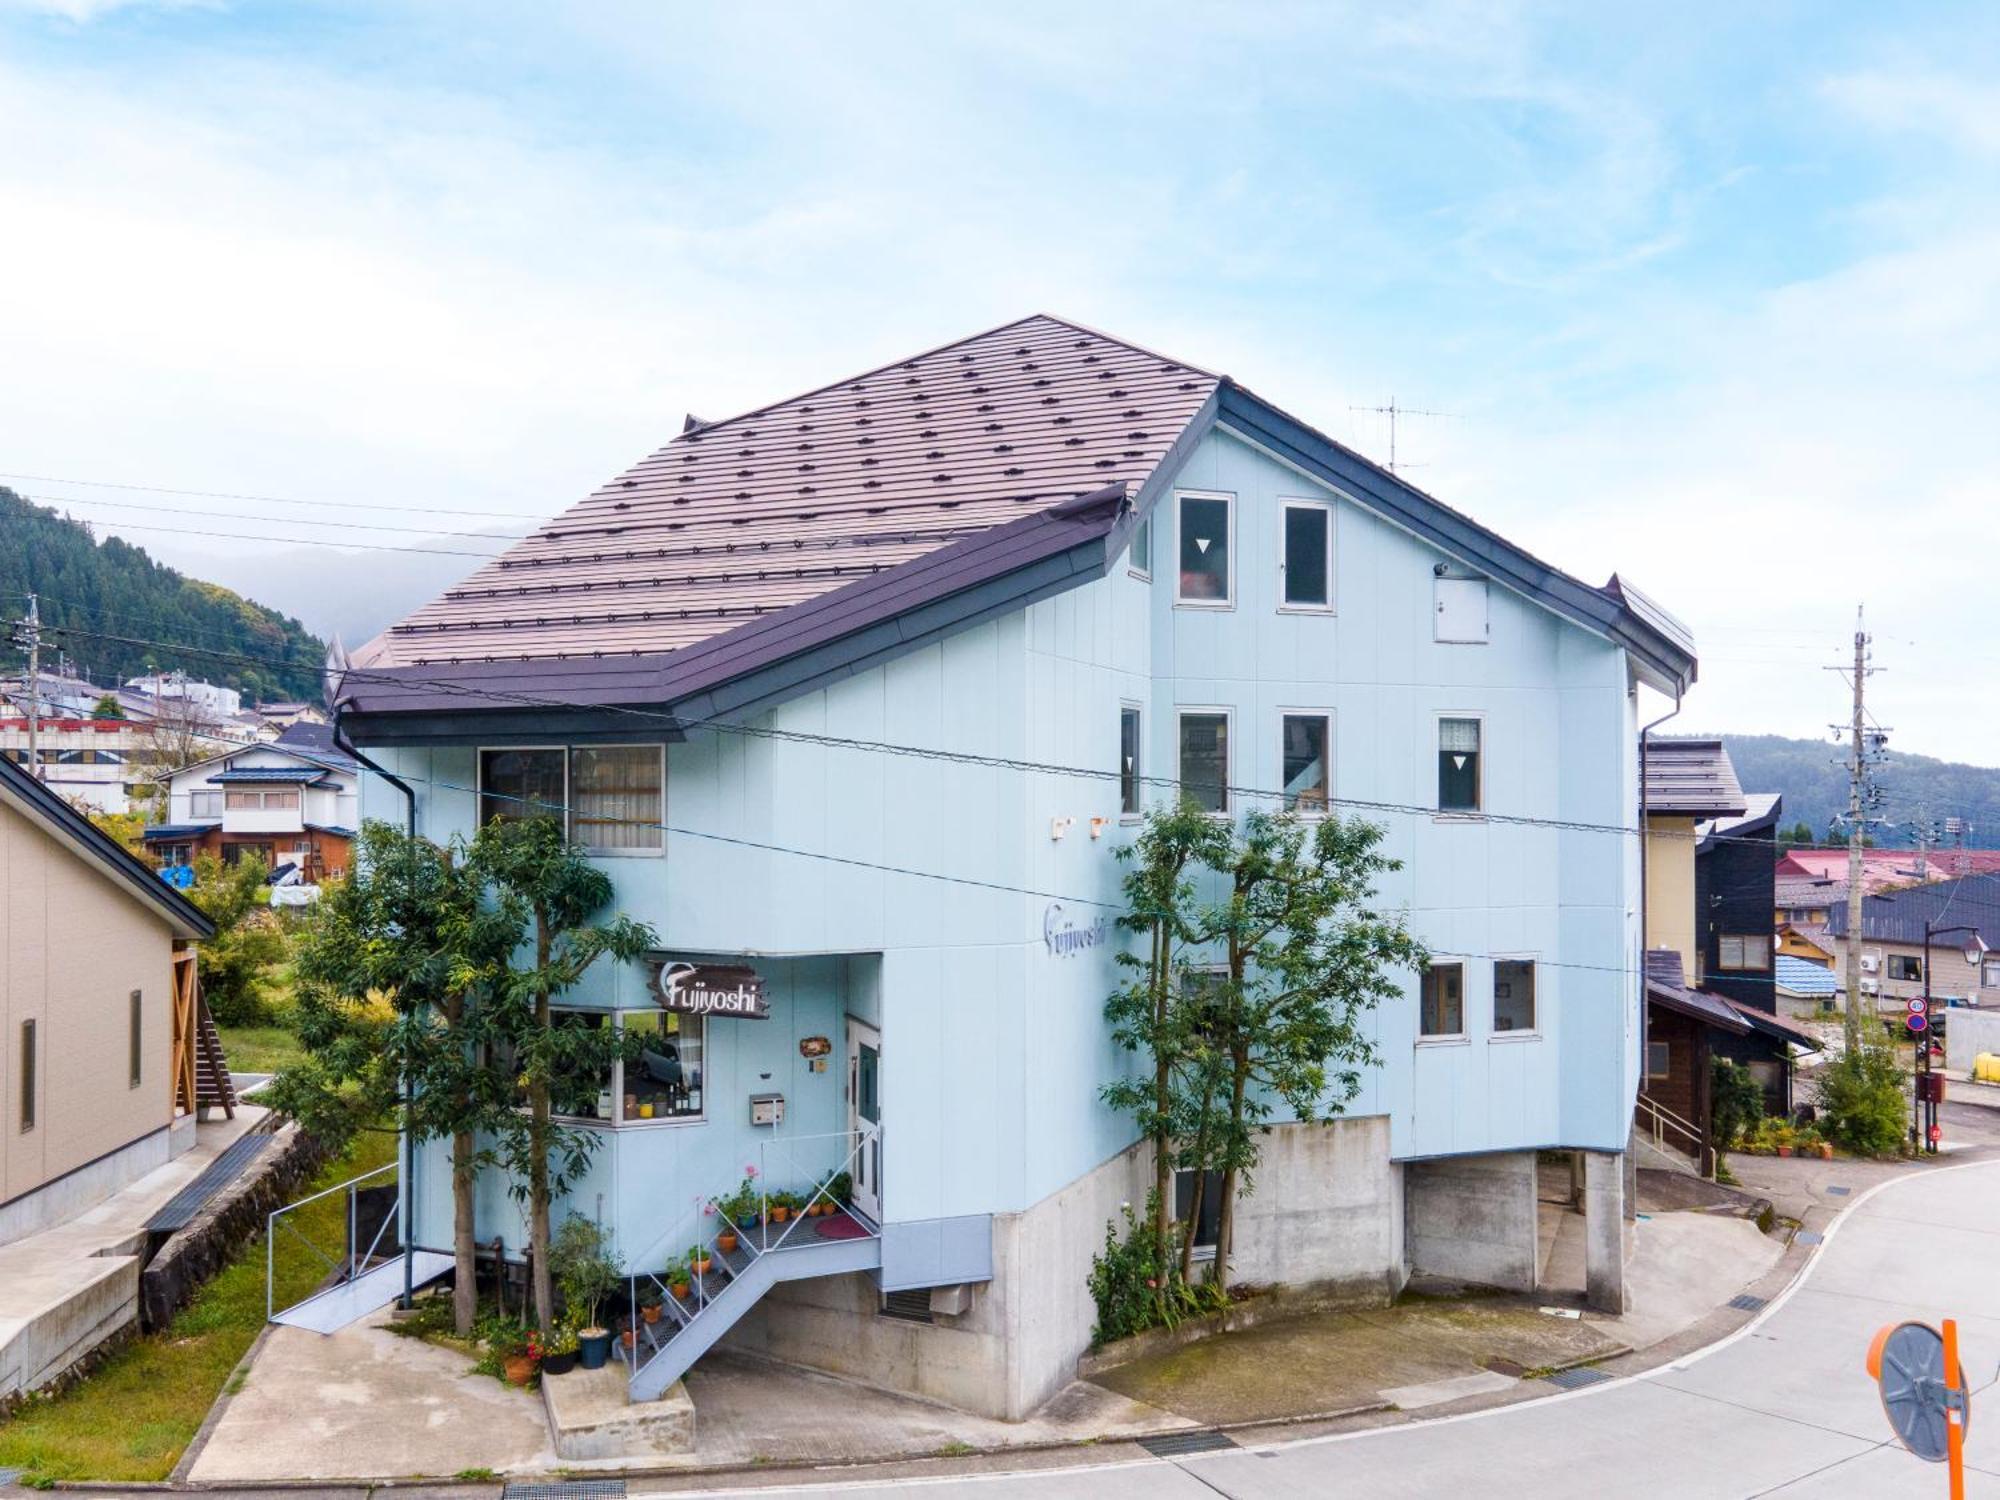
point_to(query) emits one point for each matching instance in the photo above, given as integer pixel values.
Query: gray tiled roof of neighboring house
(804, 539)
(1760, 811)
(1803, 891)
(1689, 776)
(1898, 916)
(741, 518)
(1666, 985)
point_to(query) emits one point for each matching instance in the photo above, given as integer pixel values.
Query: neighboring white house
(290, 802)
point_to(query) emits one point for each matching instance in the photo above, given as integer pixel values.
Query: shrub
(1738, 1103)
(1862, 1103)
(583, 1267)
(236, 963)
(1133, 1291)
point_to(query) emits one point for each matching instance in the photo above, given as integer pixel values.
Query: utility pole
(28, 636)
(1857, 824)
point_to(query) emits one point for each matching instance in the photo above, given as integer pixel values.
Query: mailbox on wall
(767, 1109)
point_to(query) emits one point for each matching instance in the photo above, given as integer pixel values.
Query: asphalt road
(1784, 1407)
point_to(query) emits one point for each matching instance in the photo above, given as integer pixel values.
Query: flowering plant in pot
(559, 1353)
(588, 1273)
(700, 1262)
(649, 1302)
(520, 1363)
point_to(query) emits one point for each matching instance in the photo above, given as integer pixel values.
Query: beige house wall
(1951, 976)
(1670, 889)
(75, 946)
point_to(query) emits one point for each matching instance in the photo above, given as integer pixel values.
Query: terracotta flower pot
(627, 1338)
(520, 1368)
(779, 1213)
(1784, 1151)
(681, 1290)
(650, 1313)
(726, 1242)
(703, 1266)
(1826, 1150)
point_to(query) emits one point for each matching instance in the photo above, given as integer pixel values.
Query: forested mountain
(1812, 776)
(113, 589)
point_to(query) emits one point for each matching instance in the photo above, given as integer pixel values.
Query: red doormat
(842, 1227)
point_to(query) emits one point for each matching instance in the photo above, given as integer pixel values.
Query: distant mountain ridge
(1812, 777)
(121, 596)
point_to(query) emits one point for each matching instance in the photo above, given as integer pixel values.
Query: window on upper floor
(1204, 772)
(1308, 561)
(1128, 761)
(1206, 523)
(1989, 972)
(1459, 772)
(612, 798)
(1905, 968)
(1514, 994)
(1442, 1011)
(1306, 771)
(1141, 562)
(1737, 952)
(243, 799)
(205, 804)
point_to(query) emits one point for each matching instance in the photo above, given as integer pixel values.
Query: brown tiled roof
(1692, 776)
(737, 519)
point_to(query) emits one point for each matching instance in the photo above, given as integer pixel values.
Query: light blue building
(860, 692)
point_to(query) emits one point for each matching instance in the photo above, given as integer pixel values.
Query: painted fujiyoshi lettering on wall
(1064, 938)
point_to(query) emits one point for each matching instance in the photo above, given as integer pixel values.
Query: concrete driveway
(1781, 1408)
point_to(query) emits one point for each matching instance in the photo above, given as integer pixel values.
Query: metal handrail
(1663, 1118)
(354, 1261)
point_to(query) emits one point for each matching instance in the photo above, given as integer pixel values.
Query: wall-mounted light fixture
(1097, 827)
(1059, 826)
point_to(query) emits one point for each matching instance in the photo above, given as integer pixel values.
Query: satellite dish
(1907, 1361)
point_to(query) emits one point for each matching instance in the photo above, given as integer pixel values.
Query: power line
(300, 541)
(230, 515)
(159, 489)
(462, 690)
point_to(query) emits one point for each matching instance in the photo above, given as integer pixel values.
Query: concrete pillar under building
(1604, 1212)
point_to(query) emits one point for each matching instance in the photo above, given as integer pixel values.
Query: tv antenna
(1393, 411)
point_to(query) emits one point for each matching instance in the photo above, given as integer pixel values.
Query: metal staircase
(832, 1241)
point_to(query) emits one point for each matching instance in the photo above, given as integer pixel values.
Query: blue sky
(1713, 300)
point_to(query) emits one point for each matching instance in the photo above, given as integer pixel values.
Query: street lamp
(1924, 1102)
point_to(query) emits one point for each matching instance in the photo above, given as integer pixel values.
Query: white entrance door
(864, 1114)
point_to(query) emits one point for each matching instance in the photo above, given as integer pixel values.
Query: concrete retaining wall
(1967, 1033)
(87, 1186)
(1472, 1219)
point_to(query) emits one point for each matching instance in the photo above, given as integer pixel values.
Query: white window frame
(1126, 706)
(569, 799)
(1457, 814)
(1228, 600)
(1132, 565)
(1228, 716)
(1306, 713)
(1723, 966)
(1287, 504)
(1493, 1031)
(1462, 1036)
(479, 779)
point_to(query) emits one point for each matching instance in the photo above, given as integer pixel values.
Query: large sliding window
(1205, 523)
(1308, 555)
(612, 798)
(1204, 773)
(1307, 768)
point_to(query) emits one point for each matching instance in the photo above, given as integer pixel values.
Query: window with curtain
(1308, 763)
(1443, 1010)
(1128, 761)
(616, 795)
(1458, 765)
(1205, 760)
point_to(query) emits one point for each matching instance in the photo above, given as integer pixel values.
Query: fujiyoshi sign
(710, 990)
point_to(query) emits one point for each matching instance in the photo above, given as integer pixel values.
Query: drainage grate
(1176, 1444)
(574, 1489)
(1838, 1192)
(217, 1175)
(1809, 1237)
(1746, 1302)
(8, 1476)
(1582, 1375)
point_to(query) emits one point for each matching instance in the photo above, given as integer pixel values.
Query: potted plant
(649, 1303)
(840, 1188)
(559, 1354)
(700, 1262)
(680, 1286)
(587, 1273)
(521, 1362)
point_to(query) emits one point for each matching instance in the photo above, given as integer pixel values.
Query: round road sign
(1918, 1020)
(1917, 1005)
(1937, 1134)
(1907, 1361)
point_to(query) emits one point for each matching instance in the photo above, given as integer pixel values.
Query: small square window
(1128, 761)
(1205, 760)
(1443, 1009)
(1514, 994)
(521, 784)
(1308, 763)
(1458, 765)
(1204, 549)
(1903, 967)
(1308, 556)
(1747, 951)
(1659, 1060)
(1142, 548)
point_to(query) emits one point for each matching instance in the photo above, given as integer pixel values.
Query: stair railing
(1665, 1122)
(357, 1258)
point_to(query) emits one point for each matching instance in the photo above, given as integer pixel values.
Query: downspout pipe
(408, 1163)
(1645, 857)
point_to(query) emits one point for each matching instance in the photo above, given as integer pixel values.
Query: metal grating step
(1746, 1303)
(572, 1489)
(1176, 1444)
(1576, 1379)
(179, 1210)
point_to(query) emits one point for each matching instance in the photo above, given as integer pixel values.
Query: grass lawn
(259, 1049)
(134, 1416)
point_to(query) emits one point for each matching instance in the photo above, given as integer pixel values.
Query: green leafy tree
(1736, 1102)
(391, 1007)
(237, 965)
(1305, 954)
(107, 707)
(542, 881)
(1864, 1102)
(1147, 1013)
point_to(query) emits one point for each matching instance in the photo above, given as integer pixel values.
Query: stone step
(591, 1416)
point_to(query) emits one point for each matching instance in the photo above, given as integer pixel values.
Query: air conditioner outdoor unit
(1870, 962)
(1871, 987)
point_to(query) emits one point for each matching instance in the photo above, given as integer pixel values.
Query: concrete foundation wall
(88, 1186)
(1967, 1033)
(1328, 1212)
(1472, 1218)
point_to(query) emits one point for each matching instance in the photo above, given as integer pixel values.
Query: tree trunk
(465, 1288)
(1163, 1064)
(1202, 1137)
(1225, 1229)
(538, 1155)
